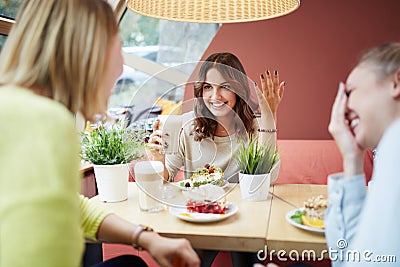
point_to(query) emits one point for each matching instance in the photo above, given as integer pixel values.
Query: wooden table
(284, 236)
(255, 225)
(244, 231)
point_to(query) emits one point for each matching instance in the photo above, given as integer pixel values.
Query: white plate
(185, 215)
(178, 184)
(302, 226)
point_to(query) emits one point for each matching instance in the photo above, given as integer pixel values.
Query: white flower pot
(254, 187)
(112, 182)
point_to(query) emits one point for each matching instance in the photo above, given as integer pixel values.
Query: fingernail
(275, 72)
(284, 83)
(262, 76)
(267, 72)
(340, 87)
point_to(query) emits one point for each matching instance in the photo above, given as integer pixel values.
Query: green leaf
(112, 145)
(297, 216)
(255, 158)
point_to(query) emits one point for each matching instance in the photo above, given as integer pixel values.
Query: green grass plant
(255, 158)
(112, 145)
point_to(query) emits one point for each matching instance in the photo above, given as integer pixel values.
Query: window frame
(5, 25)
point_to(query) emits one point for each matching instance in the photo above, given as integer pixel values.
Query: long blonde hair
(59, 47)
(385, 58)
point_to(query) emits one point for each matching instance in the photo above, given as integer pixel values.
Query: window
(9, 8)
(2, 40)
(156, 54)
(8, 11)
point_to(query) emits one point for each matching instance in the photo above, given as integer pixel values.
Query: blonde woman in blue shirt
(362, 225)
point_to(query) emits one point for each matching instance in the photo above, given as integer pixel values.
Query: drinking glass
(149, 179)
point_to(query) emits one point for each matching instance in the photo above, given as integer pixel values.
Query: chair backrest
(311, 161)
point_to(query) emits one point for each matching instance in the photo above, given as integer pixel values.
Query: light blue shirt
(364, 228)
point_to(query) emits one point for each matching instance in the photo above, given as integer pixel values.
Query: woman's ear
(395, 90)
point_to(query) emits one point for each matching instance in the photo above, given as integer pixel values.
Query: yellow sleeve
(91, 215)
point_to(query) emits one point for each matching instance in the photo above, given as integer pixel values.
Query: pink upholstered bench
(311, 161)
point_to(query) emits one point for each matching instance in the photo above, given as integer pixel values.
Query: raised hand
(272, 89)
(340, 130)
(266, 112)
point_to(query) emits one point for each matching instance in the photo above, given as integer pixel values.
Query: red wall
(313, 48)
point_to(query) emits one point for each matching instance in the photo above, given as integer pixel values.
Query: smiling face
(218, 95)
(370, 108)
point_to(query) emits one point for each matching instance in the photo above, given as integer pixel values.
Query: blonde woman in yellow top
(61, 57)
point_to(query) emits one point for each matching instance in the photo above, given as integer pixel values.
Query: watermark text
(340, 254)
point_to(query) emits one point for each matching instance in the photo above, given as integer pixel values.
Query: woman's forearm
(164, 250)
(114, 229)
(267, 131)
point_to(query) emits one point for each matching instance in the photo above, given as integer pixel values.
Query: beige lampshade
(213, 11)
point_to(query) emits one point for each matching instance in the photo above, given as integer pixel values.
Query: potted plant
(255, 164)
(111, 149)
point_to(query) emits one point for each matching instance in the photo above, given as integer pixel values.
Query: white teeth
(217, 104)
(354, 123)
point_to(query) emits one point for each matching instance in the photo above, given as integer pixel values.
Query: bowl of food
(208, 174)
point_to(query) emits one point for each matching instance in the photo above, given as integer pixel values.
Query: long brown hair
(232, 70)
(60, 48)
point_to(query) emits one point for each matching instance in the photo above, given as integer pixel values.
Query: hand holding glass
(170, 125)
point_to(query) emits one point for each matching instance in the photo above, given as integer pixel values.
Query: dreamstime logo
(341, 254)
(293, 255)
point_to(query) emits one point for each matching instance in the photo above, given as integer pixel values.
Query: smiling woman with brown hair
(61, 57)
(224, 115)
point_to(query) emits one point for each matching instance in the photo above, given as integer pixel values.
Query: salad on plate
(208, 174)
